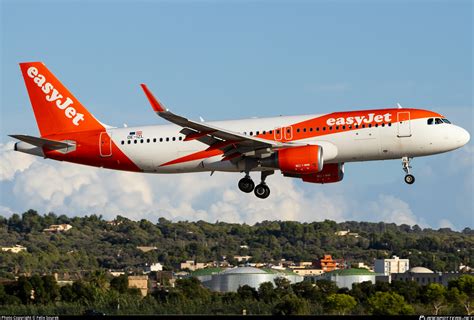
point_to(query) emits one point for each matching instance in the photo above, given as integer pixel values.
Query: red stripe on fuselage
(319, 126)
(88, 153)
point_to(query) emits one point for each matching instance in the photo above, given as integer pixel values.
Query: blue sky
(242, 59)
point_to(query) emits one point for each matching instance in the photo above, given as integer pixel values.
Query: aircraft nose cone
(463, 137)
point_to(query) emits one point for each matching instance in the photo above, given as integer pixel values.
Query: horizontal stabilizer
(41, 142)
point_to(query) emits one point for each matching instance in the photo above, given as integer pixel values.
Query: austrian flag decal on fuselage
(53, 95)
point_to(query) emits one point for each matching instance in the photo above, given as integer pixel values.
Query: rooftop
(206, 272)
(352, 272)
(420, 270)
(239, 270)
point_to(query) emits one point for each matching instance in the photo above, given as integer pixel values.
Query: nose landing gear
(409, 178)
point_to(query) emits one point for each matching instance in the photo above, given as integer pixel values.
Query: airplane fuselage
(311, 147)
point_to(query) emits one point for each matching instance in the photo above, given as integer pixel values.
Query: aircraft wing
(232, 143)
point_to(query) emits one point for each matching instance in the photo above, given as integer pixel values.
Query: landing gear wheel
(262, 191)
(246, 185)
(409, 178)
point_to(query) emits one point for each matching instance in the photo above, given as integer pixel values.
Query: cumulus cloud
(77, 190)
(72, 189)
(445, 223)
(388, 208)
(12, 162)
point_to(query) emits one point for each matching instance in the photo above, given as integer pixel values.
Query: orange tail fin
(56, 109)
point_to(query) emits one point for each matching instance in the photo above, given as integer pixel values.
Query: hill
(94, 243)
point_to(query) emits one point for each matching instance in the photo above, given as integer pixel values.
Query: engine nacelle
(332, 172)
(297, 160)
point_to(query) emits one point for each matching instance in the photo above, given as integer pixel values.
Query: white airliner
(313, 148)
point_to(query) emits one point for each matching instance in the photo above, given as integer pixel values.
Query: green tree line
(42, 295)
(93, 244)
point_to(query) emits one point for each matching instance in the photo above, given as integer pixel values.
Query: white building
(58, 228)
(154, 267)
(345, 278)
(15, 249)
(389, 266)
(230, 280)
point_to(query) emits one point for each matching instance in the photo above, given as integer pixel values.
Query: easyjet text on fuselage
(358, 120)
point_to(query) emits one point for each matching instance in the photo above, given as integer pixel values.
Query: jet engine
(332, 172)
(302, 160)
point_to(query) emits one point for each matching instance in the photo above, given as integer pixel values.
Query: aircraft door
(288, 133)
(278, 134)
(105, 145)
(403, 124)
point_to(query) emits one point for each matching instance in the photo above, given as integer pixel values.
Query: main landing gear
(247, 185)
(409, 178)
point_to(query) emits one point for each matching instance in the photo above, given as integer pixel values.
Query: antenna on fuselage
(399, 106)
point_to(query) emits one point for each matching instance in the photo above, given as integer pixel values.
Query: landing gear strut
(409, 178)
(262, 191)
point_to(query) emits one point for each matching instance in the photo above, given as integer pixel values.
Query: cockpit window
(446, 120)
(438, 121)
(430, 121)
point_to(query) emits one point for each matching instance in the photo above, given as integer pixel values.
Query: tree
(283, 286)
(246, 292)
(191, 288)
(40, 295)
(435, 295)
(120, 283)
(462, 291)
(67, 293)
(340, 303)
(266, 292)
(51, 288)
(24, 290)
(291, 305)
(389, 303)
(327, 286)
(83, 291)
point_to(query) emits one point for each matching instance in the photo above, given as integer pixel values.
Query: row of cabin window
(257, 133)
(317, 129)
(153, 140)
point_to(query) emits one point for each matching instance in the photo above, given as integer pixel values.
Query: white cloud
(12, 162)
(5, 211)
(77, 190)
(47, 185)
(445, 223)
(388, 208)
